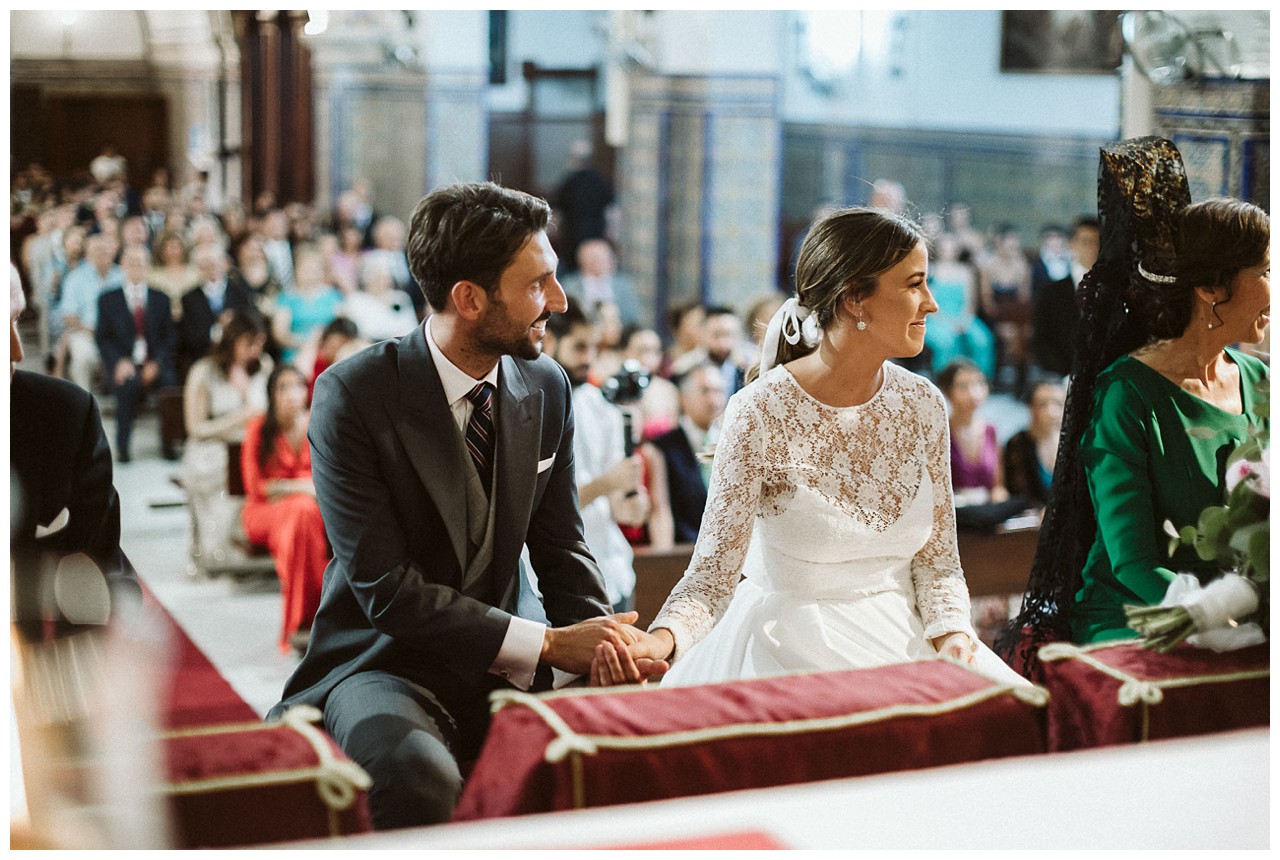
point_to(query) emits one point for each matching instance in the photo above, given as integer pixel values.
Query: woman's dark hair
(166, 236)
(242, 324)
(841, 258)
(469, 232)
(1214, 241)
(271, 421)
(947, 378)
(677, 312)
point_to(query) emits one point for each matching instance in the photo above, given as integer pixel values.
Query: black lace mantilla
(1141, 186)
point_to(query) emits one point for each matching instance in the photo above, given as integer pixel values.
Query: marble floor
(237, 624)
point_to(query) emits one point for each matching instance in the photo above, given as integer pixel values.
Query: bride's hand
(957, 646)
(636, 663)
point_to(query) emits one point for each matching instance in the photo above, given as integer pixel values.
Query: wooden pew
(994, 564)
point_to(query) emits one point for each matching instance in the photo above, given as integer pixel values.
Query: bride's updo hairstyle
(842, 258)
(1214, 240)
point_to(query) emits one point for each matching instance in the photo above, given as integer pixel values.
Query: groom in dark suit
(435, 458)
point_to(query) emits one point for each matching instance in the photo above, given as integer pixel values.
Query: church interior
(685, 156)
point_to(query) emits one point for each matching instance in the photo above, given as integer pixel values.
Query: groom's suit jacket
(389, 468)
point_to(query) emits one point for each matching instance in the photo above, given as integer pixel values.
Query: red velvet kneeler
(585, 748)
(257, 782)
(233, 780)
(1114, 693)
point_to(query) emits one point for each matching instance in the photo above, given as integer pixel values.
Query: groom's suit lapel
(519, 431)
(427, 430)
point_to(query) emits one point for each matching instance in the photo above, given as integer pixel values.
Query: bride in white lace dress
(830, 492)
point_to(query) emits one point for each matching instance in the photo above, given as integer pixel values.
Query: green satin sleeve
(1119, 466)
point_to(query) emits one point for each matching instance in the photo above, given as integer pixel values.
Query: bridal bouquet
(1237, 536)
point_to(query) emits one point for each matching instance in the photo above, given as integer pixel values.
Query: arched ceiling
(109, 35)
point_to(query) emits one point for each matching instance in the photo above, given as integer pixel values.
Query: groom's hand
(572, 648)
(637, 663)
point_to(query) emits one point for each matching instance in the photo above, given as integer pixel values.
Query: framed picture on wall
(1060, 41)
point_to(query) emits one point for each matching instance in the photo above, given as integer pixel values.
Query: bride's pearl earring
(861, 325)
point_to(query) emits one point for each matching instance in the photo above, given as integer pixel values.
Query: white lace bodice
(837, 502)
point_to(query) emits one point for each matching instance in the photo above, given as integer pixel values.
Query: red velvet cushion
(261, 782)
(1116, 693)
(646, 744)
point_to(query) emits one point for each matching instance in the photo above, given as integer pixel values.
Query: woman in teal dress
(302, 312)
(1158, 400)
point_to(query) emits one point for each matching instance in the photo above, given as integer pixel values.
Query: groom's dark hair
(469, 232)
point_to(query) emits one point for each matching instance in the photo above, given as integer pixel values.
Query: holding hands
(641, 660)
(957, 646)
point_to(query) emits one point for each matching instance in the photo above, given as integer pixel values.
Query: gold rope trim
(1136, 690)
(336, 780)
(568, 741)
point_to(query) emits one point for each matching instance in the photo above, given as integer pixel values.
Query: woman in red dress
(280, 507)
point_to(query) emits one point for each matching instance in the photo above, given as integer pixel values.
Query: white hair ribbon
(792, 322)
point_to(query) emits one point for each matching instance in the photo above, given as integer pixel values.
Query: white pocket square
(59, 523)
(543, 465)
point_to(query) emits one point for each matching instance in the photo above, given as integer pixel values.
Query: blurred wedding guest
(304, 309)
(583, 201)
(1052, 261)
(251, 263)
(609, 490)
(339, 340)
(388, 243)
(955, 331)
(597, 280)
(889, 194)
(78, 307)
(959, 218)
(108, 164)
(684, 319)
(344, 262)
(1030, 455)
(678, 477)
(1005, 274)
(136, 337)
(280, 507)
(609, 327)
(977, 475)
(206, 306)
(171, 270)
(223, 392)
(659, 407)
(720, 345)
(757, 321)
(378, 309)
(62, 502)
(1056, 316)
(235, 225)
(278, 247)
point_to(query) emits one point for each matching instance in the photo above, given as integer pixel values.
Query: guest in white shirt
(379, 310)
(609, 488)
(78, 306)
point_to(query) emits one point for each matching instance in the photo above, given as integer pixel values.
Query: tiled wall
(1223, 130)
(700, 188)
(1022, 179)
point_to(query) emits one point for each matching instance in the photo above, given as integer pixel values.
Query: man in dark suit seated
(136, 338)
(207, 306)
(63, 503)
(1056, 315)
(677, 477)
(436, 457)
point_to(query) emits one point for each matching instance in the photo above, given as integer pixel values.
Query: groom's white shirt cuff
(517, 659)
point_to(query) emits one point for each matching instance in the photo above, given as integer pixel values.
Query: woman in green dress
(1167, 415)
(1157, 401)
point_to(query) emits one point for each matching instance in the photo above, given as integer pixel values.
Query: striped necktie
(480, 432)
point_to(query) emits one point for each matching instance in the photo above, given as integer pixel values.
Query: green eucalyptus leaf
(1260, 552)
(1188, 535)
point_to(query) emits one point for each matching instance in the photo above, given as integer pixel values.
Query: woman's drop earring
(861, 324)
(1213, 311)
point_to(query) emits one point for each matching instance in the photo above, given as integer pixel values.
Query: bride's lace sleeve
(702, 595)
(941, 592)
